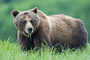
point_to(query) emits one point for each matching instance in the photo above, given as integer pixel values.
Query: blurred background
(79, 9)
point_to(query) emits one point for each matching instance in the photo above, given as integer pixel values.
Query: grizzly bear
(36, 29)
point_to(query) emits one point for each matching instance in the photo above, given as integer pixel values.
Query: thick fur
(56, 30)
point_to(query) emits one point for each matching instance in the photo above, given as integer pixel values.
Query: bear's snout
(29, 30)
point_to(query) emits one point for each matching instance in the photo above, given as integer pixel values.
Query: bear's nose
(29, 29)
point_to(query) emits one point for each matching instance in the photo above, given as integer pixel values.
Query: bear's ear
(14, 12)
(35, 10)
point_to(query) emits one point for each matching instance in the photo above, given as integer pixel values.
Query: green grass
(12, 51)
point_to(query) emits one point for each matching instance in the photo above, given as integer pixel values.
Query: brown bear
(35, 29)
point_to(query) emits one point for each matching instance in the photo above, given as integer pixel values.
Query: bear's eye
(31, 22)
(24, 22)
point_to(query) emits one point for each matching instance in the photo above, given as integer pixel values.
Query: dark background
(79, 9)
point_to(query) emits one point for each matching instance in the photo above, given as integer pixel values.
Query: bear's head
(26, 21)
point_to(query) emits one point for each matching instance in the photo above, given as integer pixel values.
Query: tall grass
(12, 51)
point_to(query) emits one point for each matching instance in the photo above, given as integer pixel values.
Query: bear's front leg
(26, 43)
(42, 40)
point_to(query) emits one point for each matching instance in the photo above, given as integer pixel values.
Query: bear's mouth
(26, 34)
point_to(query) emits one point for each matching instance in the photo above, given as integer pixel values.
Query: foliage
(76, 8)
(12, 51)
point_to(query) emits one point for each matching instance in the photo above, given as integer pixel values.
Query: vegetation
(12, 51)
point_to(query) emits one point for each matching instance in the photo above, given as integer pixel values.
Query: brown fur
(56, 30)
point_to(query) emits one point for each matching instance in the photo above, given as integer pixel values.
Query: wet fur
(56, 30)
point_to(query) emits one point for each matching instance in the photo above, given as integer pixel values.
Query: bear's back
(64, 30)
